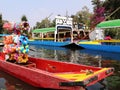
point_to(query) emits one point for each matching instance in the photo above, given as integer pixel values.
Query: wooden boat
(48, 43)
(60, 35)
(102, 45)
(112, 45)
(52, 74)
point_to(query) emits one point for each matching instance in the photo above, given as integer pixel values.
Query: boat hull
(54, 74)
(108, 48)
(48, 43)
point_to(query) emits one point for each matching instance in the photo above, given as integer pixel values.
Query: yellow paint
(43, 38)
(113, 40)
(90, 42)
(98, 42)
(31, 39)
(79, 76)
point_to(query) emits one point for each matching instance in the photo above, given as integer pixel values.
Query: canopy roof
(109, 24)
(44, 30)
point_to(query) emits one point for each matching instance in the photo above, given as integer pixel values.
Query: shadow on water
(73, 46)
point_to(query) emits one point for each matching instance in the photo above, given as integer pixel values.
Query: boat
(102, 45)
(60, 35)
(48, 43)
(112, 45)
(51, 74)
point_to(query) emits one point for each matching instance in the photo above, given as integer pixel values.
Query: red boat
(53, 74)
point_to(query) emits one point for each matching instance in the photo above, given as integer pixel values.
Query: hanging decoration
(16, 45)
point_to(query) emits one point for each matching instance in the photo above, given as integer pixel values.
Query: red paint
(40, 72)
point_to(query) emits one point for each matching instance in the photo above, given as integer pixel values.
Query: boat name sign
(63, 21)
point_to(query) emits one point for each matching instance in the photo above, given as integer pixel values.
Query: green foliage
(112, 7)
(24, 18)
(97, 3)
(111, 10)
(113, 32)
(1, 24)
(45, 23)
(82, 16)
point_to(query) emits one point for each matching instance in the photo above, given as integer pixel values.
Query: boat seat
(28, 64)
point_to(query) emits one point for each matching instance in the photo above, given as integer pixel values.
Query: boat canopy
(64, 27)
(44, 30)
(109, 24)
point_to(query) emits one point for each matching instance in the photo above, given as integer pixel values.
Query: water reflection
(8, 82)
(81, 56)
(61, 54)
(102, 54)
(86, 57)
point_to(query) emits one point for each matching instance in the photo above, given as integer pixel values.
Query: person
(108, 37)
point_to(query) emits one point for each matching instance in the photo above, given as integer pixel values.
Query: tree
(24, 18)
(82, 17)
(105, 10)
(1, 24)
(45, 23)
(112, 9)
(85, 16)
(53, 23)
(98, 15)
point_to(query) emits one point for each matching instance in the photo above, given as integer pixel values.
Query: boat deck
(79, 76)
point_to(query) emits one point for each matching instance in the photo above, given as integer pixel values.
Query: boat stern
(85, 79)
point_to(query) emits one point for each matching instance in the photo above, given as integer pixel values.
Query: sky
(37, 10)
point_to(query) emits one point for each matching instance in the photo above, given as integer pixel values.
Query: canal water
(80, 56)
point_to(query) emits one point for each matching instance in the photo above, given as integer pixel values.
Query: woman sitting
(107, 37)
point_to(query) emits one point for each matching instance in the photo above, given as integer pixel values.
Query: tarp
(44, 30)
(109, 24)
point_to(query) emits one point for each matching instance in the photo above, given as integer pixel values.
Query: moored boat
(60, 35)
(98, 41)
(48, 43)
(53, 74)
(102, 45)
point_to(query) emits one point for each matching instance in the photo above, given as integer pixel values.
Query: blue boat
(54, 36)
(104, 45)
(48, 43)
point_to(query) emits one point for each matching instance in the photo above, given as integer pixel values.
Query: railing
(48, 39)
(44, 39)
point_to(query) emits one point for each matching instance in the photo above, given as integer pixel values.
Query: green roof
(109, 24)
(44, 30)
